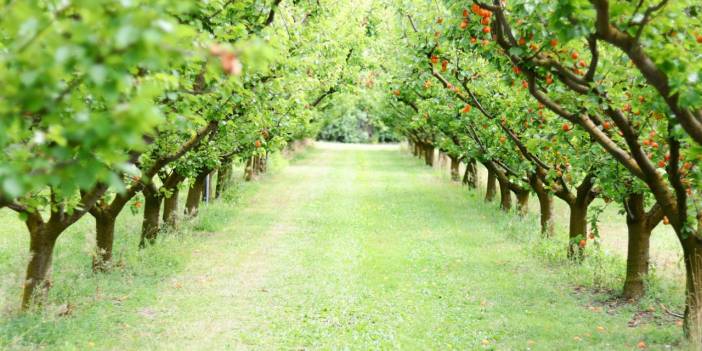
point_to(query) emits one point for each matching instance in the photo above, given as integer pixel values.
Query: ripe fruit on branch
(666, 221)
(439, 20)
(257, 144)
(553, 42)
(574, 55)
(444, 65)
(434, 59)
(466, 108)
(699, 39)
(661, 164)
(582, 243)
(464, 24)
(582, 63)
(475, 8)
(521, 41)
(606, 125)
(396, 92)
(486, 30)
(566, 127)
(485, 21)
(516, 70)
(503, 139)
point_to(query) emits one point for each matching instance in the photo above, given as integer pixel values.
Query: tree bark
(38, 277)
(223, 179)
(577, 229)
(692, 254)
(522, 202)
(170, 208)
(637, 258)
(170, 195)
(505, 195)
(429, 155)
(263, 164)
(470, 177)
(105, 237)
(249, 169)
(491, 189)
(455, 163)
(545, 205)
(192, 203)
(152, 210)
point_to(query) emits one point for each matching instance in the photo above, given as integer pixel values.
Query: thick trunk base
(170, 209)
(491, 189)
(692, 254)
(429, 155)
(38, 276)
(455, 175)
(192, 203)
(637, 260)
(577, 231)
(470, 176)
(522, 202)
(546, 213)
(223, 179)
(505, 196)
(150, 225)
(105, 237)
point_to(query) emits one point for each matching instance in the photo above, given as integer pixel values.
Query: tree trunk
(192, 203)
(249, 170)
(638, 251)
(505, 195)
(105, 236)
(263, 164)
(545, 207)
(470, 177)
(455, 163)
(170, 195)
(491, 189)
(577, 230)
(223, 178)
(429, 155)
(38, 276)
(170, 209)
(522, 202)
(152, 211)
(692, 254)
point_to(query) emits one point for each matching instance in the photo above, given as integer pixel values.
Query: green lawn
(348, 247)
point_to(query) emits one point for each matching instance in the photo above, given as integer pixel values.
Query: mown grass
(84, 307)
(347, 248)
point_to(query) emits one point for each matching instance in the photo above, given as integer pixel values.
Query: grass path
(364, 248)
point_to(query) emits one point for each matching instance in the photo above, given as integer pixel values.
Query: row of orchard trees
(572, 99)
(105, 101)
